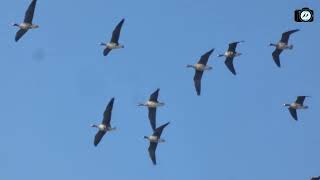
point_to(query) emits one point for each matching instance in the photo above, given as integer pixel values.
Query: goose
(230, 54)
(152, 105)
(105, 125)
(298, 104)
(200, 67)
(113, 44)
(27, 23)
(315, 178)
(154, 139)
(282, 45)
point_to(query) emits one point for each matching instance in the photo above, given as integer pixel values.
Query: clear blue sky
(55, 83)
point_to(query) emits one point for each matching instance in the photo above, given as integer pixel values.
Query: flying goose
(298, 104)
(282, 45)
(154, 139)
(105, 125)
(152, 105)
(114, 42)
(27, 23)
(200, 67)
(230, 54)
(315, 178)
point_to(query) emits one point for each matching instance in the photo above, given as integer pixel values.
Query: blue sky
(55, 83)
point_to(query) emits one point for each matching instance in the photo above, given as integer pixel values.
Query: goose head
(272, 44)
(141, 104)
(220, 55)
(103, 44)
(190, 66)
(94, 125)
(145, 137)
(288, 105)
(15, 24)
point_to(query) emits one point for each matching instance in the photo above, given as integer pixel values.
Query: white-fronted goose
(152, 105)
(230, 54)
(298, 104)
(200, 67)
(282, 45)
(114, 42)
(154, 139)
(105, 124)
(27, 23)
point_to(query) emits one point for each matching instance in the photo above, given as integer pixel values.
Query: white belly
(200, 67)
(152, 104)
(153, 138)
(282, 45)
(102, 127)
(25, 26)
(229, 54)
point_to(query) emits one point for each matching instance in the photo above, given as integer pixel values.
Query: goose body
(298, 104)
(114, 42)
(105, 124)
(27, 23)
(154, 139)
(283, 44)
(152, 105)
(230, 54)
(199, 68)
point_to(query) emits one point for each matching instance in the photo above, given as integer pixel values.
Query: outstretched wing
(204, 58)
(276, 56)
(233, 46)
(159, 130)
(106, 51)
(152, 117)
(116, 32)
(107, 113)
(19, 34)
(98, 137)
(293, 113)
(30, 12)
(229, 64)
(154, 96)
(300, 99)
(285, 36)
(197, 81)
(315, 178)
(152, 152)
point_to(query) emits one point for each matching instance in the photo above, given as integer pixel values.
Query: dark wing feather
(106, 51)
(233, 46)
(154, 96)
(300, 99)
(197, 81)
(229, 64)
(293, 113)
(152, 152)
(285, 36)
(30, 12)
(19, 34)
(116, 32)
(204, 58)
(159, 130)
(276, 56)
(98, 137)
(315, 178)
(107, 113)
(152, 117)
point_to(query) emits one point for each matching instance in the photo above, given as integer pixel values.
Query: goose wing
(300, 99)
(116, 32)
(159, 130)
(152, 152)
(293, 113)
(276, 56)
(285, 36)
(233, 46)
(197, 81)
(19, 34)
(98, 137)
(229, 64)
(315, 178)
(107, 113)
(205, 57)
(106, 51)
(154, 96)
(152, 117)
(30, 12)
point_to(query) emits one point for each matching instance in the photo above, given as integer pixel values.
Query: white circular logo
(305, 15)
